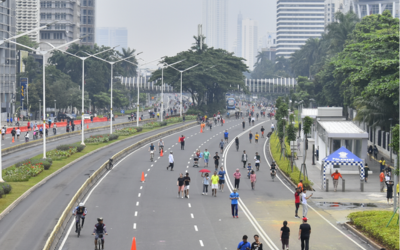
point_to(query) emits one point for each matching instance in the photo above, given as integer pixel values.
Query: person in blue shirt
(221, 175)
(244, 245)
(226, 134)
(234, 203)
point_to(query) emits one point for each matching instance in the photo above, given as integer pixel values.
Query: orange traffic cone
(161, 153)
(201, 129)
(133, 244)
(13, 139)
(142, 180)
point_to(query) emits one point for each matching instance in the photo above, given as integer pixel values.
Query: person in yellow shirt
(256, 137)
(205, 118)
(214, 183)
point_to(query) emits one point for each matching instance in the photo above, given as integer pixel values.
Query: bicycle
(273, 174)
(151, 156)
(100, 240)
(78, 223)
(110, 165)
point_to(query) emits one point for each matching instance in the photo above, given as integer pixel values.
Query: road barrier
(37, 142)
(65, 217)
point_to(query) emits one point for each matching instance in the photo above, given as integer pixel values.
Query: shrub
(79, 148)
(112, 137)
(163, 123)
(46, 165)
(1, 192)
(139, 129)
(49, 160)
(64, 147)
(373, 224)
(59, 154)
(6, 187)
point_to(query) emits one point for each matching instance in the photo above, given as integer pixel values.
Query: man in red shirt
(182, 141)
(336, 176)
(297, 194)
(382, 180)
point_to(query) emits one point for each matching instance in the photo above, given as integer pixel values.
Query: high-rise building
(112, 36)
(7, 57)
(249, 41)
(88, 29)
(215, 23)
(67, 13)
(367, 7)
(238, 51)
(297, 21)
(27, 17)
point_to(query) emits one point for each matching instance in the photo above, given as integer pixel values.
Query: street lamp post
(90, 106)
(181, 71)
(44, 52)
(55, 110)
(162, 85)
(112, 76)
(390, 139)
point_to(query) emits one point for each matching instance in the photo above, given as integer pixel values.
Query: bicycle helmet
(100, 219)
(81, 204)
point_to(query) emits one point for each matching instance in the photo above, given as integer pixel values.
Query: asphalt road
(152, 212)
(32, 221)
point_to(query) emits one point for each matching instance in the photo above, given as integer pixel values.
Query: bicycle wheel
(99, 241)
(79, 228)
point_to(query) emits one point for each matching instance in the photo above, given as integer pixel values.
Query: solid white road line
(192, 216)
(134, 225)
(291, 190)
(195, 228)
(201, 243)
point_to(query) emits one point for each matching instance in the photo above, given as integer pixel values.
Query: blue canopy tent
(342, 156)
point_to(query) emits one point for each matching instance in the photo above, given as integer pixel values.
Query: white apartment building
(249, 41)
(296, 21)
(368, 7)
(215, 23)
(27, 17)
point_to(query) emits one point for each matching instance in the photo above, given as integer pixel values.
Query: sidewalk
(352, 192)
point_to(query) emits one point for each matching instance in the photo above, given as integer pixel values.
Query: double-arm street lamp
(181, 71)
(83, 84)
(112, 66)
(44, 52)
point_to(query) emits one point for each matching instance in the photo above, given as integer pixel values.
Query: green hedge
(373, 224)
(284, 164)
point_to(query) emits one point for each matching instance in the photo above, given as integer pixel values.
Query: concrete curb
(361, 235)
(62, 223)
(37, 142)
(29, 191)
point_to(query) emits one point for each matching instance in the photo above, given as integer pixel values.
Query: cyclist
(99, 230)
(273, 166)
(79, 213)
(237, 143)
(262, 131)
(226, 134)
(221, 145)
(256, 136)
(257, 161)
(151, 149)
(160, 146)
(272, 127)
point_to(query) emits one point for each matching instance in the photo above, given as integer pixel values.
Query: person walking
(214, 183)
(304, 234)
(262, 131)
(221, 145)
(370, 152)
(18, 133)
(3, 132)
(256, 245)
(243, 123)
(366, 169)
(376, 152)
(237, 176)
(13, 132)
(285, 233)
(297, 195)
(389, 191)
(382, 181)
(234, 197)
(300, 185)
(29, 126)
(304, 199)
(182, 141)
(221, 175)
(257, 159)
(382, 164)
(187, 185)
(336, 177)
(250, 136)
(244, 158)
(171, 161)
(253, 179)
(256, 137)
(206, 156)
(216, 161)
(181, 185)
(206, 183)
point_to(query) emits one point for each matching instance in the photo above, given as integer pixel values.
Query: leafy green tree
(291, 133)
(338, 31)
(128, 69)
(27, 41)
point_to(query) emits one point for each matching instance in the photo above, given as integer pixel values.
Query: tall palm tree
(338, 31)
(129, 70)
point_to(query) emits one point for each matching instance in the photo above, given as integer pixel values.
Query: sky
(166, 27)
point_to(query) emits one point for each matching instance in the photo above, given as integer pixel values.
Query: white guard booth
(342, 156)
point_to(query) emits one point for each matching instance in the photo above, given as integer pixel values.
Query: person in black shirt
(180, 184)
(216, 161)
(243, 123)
(304, 234)
(187, 182)
(256, 245)
(285, 233)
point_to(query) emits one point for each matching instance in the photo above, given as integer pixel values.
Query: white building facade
(215, 23)
(249, 41)
(27, 17)
(112, 36)
(368, 7)
(297, 21)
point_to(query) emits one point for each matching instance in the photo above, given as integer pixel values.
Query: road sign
(122, 111)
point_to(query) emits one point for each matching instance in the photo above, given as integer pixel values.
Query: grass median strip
(373, 225)
(19, 188)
